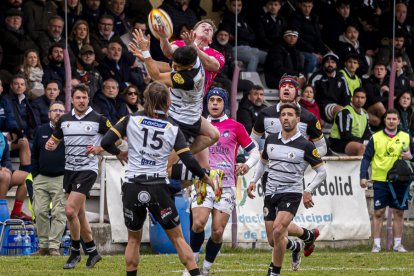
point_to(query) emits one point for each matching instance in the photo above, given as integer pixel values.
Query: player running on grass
(287, 155)
(151, 136)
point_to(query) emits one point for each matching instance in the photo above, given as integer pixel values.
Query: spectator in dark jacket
(7, 119)
(270, 26)
(246, 38)
(310, 42)
(331, 93)
(15, 41)
(55, 70)
(23, 112)
(222, 45)
(37, 14)
(180, 13)
(53, 34)
(86, 70)
(250, 106)
(101, 38)
(116, 66)
(348, 43)
(284, 58)
(41, 105)
(117, 11)
(91, 12)
(109, 103)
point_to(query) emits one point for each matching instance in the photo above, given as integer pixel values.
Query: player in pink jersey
(201, 36)
(222, 157)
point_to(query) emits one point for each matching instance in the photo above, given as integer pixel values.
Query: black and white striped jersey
(150, 142)
(268, 122)
(79, 132)
(187, 94)
(287, 162)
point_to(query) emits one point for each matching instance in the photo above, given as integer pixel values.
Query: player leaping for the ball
(186, 82)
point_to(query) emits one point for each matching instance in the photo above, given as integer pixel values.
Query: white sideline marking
(322, 268)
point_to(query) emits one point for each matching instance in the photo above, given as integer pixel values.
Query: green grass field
(230, 262)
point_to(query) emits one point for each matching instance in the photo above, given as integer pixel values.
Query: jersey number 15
(155, 138)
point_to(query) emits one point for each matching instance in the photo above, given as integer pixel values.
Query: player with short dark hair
(82, 129)
(287, 154)
(152, 136)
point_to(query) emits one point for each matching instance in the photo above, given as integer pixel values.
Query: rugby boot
(217, 177)
(296, 255)
(202, 193)
(310, 245)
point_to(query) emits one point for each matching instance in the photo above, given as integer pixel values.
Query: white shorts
(226, 203)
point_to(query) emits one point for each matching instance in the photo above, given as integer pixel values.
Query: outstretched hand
(142, 41)
(161, 30)
(189, 38)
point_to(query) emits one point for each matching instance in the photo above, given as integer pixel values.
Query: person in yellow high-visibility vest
(385, 147)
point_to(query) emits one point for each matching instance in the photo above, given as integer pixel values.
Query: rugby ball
(161, 18)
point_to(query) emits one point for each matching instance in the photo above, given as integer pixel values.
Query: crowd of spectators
(334, 48)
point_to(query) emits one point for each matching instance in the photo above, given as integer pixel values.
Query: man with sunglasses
(48, 184)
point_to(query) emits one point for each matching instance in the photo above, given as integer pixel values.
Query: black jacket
(245, 33)
(310, 39)
(23, 112)
(113, 109)
(248, 113)
(40, 108)
(282, 59)
(43, 159)
(269, 31)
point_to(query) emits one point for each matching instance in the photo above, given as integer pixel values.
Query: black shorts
(288, 202)
(338, 145)
(190, 131)
(79, 181)
(136, 198)
(383, 196)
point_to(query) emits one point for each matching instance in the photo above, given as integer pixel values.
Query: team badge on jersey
(315, 153)
(178, 78)
(88, 128)
(291, 155)
(144, 197)
(318, 125)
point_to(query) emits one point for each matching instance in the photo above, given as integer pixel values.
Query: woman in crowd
(132, 98)
(33, 72)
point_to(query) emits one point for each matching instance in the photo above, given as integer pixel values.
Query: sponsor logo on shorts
(377, 203)
(128, 214)
(288, 204)
(144, 197)
(265, 211)
(165, 212)
(78, 185)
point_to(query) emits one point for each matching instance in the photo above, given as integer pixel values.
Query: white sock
(377, 241)
(207, 265)
(397, 242)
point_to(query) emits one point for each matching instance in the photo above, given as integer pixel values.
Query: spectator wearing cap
(310, 42)
(250, 106)
(349, 44)
(270, 26)
(86, 70)
(37, 15)
(246, 37)
(15, 41)
(330, 88)
(284, 58)
(222, 45)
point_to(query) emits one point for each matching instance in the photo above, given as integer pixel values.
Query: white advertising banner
(340, 210)
(114, 174)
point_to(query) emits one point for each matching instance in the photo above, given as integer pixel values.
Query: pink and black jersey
(210, 75)
(223, 153)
